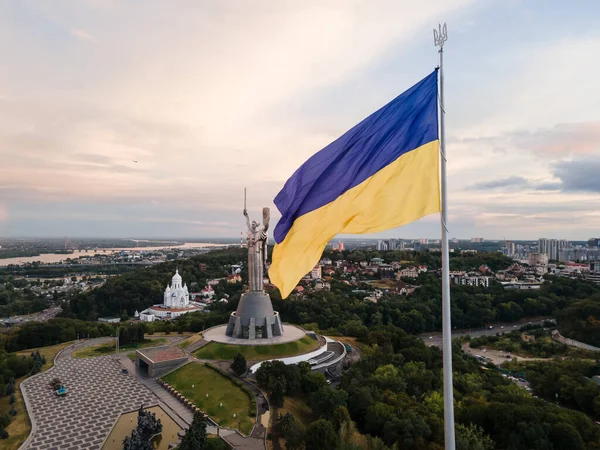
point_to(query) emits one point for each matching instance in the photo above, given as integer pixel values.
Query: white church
(176, 302)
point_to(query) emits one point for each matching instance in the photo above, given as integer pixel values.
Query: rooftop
(166, 309)
(160, 354)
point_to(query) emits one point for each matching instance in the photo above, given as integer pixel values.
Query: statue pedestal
(254, 318)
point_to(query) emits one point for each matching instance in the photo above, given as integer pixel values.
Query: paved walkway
(98, 392)
(290, 333)
(573, 343)
(195, 346)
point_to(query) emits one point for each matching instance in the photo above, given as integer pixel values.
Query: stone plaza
(98, 392)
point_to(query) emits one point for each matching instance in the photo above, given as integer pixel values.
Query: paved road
(501, 328)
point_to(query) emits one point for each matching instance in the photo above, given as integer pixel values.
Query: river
(49, 258)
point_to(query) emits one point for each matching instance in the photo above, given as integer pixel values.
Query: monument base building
(254, 318)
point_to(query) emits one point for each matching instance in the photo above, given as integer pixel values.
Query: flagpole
(440, 36)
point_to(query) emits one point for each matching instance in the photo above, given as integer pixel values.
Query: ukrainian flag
(381, 174)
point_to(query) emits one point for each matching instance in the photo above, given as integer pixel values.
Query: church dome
(176, 280)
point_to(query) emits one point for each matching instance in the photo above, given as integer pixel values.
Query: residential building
(403, 288)
(322, 286)
(386, 271)
(477, 240)
(538, 259)
(552, 247)
(316, 274)
(409, 272)
(472, 281)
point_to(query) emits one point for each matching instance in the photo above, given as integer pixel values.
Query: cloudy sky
(212, 96)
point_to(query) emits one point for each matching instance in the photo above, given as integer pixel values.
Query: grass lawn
(216, 350)
(383, 284)
(19, 427)
(189, 341)
(219, 389)
(298, 407)
(347, 340)
(105, 349)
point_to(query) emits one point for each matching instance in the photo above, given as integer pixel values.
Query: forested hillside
(121, 296)
(343, 307)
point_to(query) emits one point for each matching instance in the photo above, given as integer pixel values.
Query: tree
(10, 388)
(239, 365)
(3, 433)
(277, 395)
(471, 437)
(325, 401)
(566, 437)
(148, 425)
(340, 417)
(4, 420)
(294, 436)
(195, 436)
(293, 431)
(312, 382)
(320, 435)
(12, 400)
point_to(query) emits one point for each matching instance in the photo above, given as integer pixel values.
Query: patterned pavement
(97, 394)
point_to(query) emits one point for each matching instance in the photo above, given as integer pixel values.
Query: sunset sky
(213, 96)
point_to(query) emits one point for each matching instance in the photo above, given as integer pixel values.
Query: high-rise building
(424, 241)
(340, 246)
(390, 244)
(593, 242)
(477, 240)
(552, 247)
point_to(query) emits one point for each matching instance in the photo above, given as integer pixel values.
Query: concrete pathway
(195, 346)
(97, 394)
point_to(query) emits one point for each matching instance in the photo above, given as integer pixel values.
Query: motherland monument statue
(254, 317)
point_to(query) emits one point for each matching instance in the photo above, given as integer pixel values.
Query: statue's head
(254, 224)
(266, 216)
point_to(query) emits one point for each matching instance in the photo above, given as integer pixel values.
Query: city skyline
(149, 120)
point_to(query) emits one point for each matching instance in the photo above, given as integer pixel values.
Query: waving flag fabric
(381, 174)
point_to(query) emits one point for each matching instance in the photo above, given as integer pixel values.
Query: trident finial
(440, 36)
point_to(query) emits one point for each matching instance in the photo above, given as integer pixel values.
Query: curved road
(499, 328)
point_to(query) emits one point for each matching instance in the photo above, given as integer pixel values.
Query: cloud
(81, 35)
(510, 182)
(577, 175)
(561, 140)
(3, 213)
(211, 98)
(580, 175)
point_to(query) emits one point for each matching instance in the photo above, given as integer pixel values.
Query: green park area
(535, 344)
(105, 349)
(196, 380)
(217, 350)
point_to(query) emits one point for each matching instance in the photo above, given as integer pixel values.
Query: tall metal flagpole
(440, 36)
